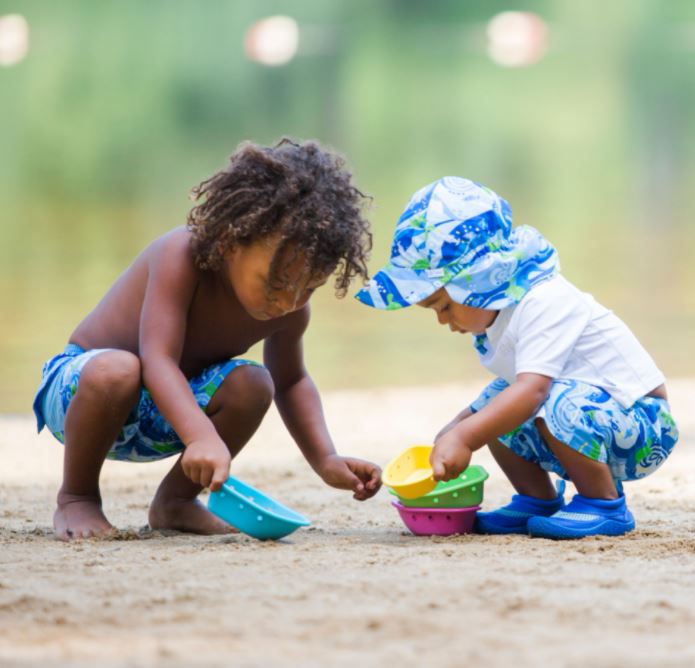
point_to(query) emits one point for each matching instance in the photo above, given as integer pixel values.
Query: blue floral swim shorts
(146, 436)
(633, 441)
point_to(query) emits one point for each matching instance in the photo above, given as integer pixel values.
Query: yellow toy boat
(409, 475)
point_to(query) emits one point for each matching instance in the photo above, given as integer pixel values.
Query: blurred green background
(119, 108)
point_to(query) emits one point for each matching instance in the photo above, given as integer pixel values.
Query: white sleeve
(547, 327)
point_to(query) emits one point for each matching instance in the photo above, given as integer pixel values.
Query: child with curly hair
(575, 393)
(155, 369)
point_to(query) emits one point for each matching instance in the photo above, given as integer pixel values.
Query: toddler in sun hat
(575, 393)
(457, 233)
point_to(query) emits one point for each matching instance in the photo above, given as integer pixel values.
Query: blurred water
(120, 108)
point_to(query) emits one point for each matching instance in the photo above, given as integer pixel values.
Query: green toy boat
(466, 490)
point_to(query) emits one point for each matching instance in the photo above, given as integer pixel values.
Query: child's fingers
(193, 472)
(375, 482)
(218, 478)
(365, 472)
(375, 478)
(449, 472)
(369, 474)
(369, 493)
(370, 478)
(354, 481)
(438, 470)
(206, 474)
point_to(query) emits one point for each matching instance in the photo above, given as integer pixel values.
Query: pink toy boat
(437, 521)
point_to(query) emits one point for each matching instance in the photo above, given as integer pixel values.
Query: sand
(354, 589)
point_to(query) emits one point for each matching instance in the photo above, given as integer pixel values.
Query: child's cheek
(256, 305)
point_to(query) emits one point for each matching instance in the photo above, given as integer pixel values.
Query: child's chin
(264, 315)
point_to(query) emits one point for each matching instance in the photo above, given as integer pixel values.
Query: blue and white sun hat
(457, 233)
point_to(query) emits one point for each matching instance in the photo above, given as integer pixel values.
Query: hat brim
(394, 288)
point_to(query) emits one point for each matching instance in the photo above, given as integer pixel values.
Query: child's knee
(247, 388)
(116, 374)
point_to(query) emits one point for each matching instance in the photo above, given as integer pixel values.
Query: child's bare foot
(80, 517)
(188, 515)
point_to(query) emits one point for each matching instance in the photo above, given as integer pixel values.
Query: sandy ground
(353, 589)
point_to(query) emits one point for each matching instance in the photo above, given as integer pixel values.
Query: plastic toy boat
(437, 521)
(466, 490)
(253, 512)
(410, 475)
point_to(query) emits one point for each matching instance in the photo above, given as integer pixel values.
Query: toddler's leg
(236, 409)
(591, 478)
(108, 388)
(535, 493)
(527, 477)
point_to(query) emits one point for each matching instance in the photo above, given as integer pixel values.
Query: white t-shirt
(558, 331)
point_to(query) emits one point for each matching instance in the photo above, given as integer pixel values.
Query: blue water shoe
(584, 516)
(514, 517)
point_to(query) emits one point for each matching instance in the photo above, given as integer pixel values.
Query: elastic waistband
(73, 349)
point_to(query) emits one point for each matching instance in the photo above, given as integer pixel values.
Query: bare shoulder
(172, 248)
(172, 277)
(170, 260)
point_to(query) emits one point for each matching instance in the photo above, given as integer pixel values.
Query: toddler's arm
(510, 408)
(299, 404)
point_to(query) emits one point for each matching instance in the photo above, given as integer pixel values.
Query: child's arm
(171, 283)
(510, 408)
(299, 404)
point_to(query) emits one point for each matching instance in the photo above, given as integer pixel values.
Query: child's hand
(207, 463)
(450, 457)
(363, 478)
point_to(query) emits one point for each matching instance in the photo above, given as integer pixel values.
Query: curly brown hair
(301, 192)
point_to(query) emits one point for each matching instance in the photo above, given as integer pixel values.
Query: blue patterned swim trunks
(634, 442)
(146, 436)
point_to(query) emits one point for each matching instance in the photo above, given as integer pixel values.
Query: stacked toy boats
(430, 508)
